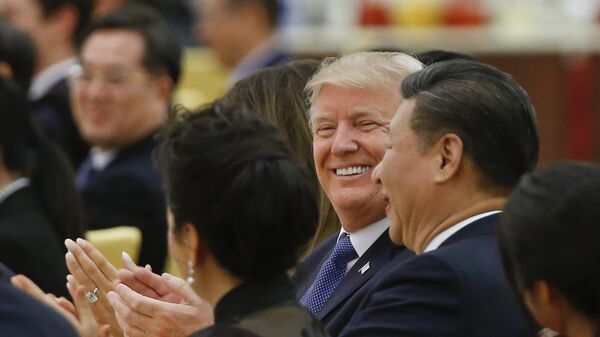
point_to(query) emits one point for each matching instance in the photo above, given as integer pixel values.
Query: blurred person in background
(178, 13)
(39, 206)
(17, 55)
(549, 241)
(53, 26)
(241, 33)
(130, 64)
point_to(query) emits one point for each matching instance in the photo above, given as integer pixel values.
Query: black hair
(162, 53)
(433, 56)
(26, 151)
(83, 8)
(18, 51)
(234, 177)
(549, 231)
(485, 107)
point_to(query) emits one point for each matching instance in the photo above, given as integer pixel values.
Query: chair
(111, 242)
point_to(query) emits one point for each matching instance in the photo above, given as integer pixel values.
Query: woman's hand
(79, 315)
(170, 307)
(91, 270)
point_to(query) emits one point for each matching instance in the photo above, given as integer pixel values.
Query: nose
(343, 141)
(376, 174)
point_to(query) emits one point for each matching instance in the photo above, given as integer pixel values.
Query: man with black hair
(53, 26)
(130, 64)
(242, 34)
(458, 143)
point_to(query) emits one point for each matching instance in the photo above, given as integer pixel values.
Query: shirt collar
(445, 235)
(101, 158)
(365, 237)
(48, 77)
(11, 188)
(254, 60)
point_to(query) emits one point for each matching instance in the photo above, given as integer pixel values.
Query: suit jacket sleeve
(418, 298)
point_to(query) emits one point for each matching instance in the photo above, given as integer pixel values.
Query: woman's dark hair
(17, 50)
(277, 94)
(550, 231)
(233, 176)
(25, 151)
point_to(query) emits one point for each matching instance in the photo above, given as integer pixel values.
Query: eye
(325, 131)
(367, 125)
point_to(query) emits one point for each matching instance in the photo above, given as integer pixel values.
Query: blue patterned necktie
(331, 274)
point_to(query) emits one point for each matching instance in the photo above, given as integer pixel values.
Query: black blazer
(457, 290)
(344, 301)
(128, 192)
(265, 309)
(52, 112)
(23, 316)
(29, 244)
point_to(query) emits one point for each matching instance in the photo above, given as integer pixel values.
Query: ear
(164, 88)
(449, 153)
(191, 239)
(546, 305)
(64, 22)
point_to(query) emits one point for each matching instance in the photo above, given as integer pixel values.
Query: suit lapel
(367, 265)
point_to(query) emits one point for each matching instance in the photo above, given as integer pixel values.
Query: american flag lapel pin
(364, 268)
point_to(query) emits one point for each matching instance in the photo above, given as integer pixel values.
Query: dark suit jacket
(23, 316)
(29, 244)
(52, 112)
(128, 192)
(457, 290)
(346, 298)
(265, 309)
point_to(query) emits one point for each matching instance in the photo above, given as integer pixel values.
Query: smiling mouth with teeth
(352, 170)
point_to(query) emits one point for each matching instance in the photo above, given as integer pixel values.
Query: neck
(419, 232)
(53, 56)
(213, 282)
(251, 42)
(354, 220)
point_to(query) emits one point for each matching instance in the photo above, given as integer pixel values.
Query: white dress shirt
(100, 158)
(11, 188)
(47, 78)
(364, 238)
(254, 60)
(443, 236)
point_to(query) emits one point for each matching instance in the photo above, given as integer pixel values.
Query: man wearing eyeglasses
(129, 66)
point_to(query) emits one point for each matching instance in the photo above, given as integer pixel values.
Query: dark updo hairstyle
(233, 176)
(25, 151)
(550, 231)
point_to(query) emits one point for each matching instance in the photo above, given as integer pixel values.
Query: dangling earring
(190, 279)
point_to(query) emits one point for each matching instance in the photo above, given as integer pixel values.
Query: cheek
(321, 149)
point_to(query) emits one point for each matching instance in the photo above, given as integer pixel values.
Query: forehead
(113, 47)
(336, 102)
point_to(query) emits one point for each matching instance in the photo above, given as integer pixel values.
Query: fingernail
(70, 279)
(69, 243)
(81, 242)
(166, 276)
(148, 267)
(69, 256)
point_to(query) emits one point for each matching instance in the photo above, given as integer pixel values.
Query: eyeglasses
(113, 79)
